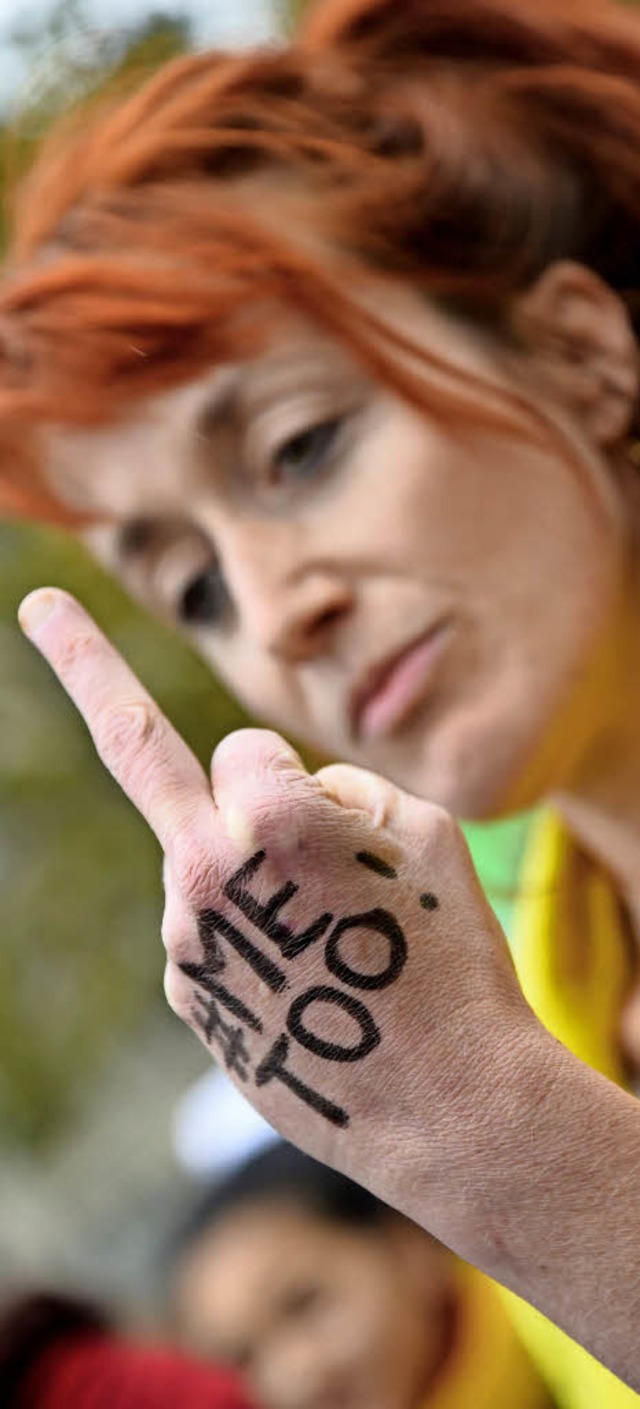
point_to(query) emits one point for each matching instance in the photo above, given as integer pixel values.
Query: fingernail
(35, 609)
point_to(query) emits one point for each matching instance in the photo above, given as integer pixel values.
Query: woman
(332, 352)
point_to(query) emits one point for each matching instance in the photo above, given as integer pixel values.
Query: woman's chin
(476, 783)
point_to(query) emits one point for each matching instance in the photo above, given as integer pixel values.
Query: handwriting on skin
(226, 1020)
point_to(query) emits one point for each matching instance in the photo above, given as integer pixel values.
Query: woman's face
(443, 606)
(316, 1314)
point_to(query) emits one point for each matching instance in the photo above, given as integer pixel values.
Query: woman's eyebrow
(219, 406)
(244, 389)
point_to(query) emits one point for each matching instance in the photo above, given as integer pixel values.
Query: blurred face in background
(446, 606)
(317, 1314)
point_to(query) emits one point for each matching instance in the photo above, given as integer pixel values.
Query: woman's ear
(579, 334)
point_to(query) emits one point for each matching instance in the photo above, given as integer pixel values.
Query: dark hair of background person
(279, 1175)
(56, 1352)
(32, 1322)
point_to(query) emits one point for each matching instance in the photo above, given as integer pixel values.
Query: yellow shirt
(488, 1368)
(574, 966)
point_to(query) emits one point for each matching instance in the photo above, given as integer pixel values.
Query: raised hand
(326, 935)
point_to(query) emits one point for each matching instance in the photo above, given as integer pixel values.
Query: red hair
(457, 145)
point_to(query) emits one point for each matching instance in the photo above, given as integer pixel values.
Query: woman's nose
(303, 626)
(291, 609)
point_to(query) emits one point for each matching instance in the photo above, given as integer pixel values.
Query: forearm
(546, 1200)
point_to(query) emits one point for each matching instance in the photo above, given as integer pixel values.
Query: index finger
(134, 739)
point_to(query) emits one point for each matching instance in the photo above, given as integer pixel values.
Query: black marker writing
(212, 929)
(365, 951)
(375, 863)
(230, 1039)
(212, 925)
(274, 1068)
(378, 922)
(266, 916)
(200, 974)
(429, 901)
(333, 1051)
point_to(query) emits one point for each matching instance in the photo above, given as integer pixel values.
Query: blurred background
(91, 1061)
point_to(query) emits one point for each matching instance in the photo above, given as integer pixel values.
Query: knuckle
(269, 811)
(444, 837)
(127, 728)
(180, 939)
(234, 743)
(280, 825)
(73, 651)
(251, 818)
(178, 991)
(439, 827)
(278, 811)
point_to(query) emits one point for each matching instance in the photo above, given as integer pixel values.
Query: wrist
(515, 1190)
(551, 1204)
(467, 1172)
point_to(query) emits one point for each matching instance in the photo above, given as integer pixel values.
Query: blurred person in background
(60, 1353)
(332, 352)
(322, 1297)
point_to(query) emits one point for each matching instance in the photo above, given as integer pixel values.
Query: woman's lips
(392, 691)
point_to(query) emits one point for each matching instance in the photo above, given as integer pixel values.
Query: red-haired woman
(332, 353)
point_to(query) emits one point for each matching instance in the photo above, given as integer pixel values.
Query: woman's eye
(204, 600)
(301, 1301)
(305, 454)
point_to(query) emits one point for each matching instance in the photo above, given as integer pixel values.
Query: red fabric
(91, 1371)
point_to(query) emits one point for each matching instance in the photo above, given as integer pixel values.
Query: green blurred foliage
(80, 960)
(68, 58)
(71, 63)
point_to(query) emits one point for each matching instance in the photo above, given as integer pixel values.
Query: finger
(133, 738)
(257, 780)
(361, 791)
(387, 807)
(395, 819)
(258, 753)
